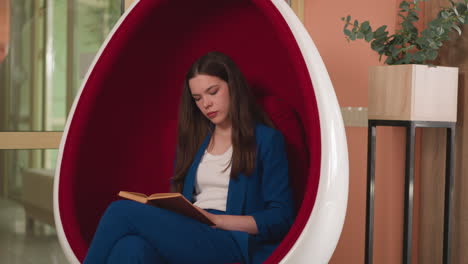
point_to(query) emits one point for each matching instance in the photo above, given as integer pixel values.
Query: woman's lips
(212, 114)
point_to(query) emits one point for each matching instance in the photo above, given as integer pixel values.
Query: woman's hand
(244, 223)
(213, 217)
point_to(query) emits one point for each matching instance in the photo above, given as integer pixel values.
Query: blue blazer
(265, 195)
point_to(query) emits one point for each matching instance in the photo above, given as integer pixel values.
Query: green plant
(408, 45)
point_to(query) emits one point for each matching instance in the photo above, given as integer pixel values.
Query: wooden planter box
(413, 92)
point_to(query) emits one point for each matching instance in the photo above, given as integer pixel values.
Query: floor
(38, 245)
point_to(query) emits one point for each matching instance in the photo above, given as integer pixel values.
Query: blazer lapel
(189, 183)
(236, 195)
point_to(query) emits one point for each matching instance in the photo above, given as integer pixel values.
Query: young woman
(230, 162)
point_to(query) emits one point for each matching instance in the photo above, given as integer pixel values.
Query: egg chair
(121, 131)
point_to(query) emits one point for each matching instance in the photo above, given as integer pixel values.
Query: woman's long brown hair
(193, 126)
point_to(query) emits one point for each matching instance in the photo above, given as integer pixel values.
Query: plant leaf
(389, 61)
(444, 14)
(457, 28)
(440, 30)
(369, 36)
(365, 26)
(461, 8)
(380, 32)
(347, 32)
(404, 5)
(431, 54)
(377, 46)
(419, 57)
(394, 51)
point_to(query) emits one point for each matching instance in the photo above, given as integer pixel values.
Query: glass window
(51, 46)
(93, 21)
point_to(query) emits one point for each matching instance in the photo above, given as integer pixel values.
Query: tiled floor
(39, 245)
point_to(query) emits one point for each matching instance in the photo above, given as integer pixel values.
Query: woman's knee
(120, 207)
(133, 249)
(131, 209)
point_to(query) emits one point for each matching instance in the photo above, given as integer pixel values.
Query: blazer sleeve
(274, 221)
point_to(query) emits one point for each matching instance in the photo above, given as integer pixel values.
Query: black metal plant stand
(409, 184)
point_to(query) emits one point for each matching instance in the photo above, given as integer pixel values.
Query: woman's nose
(207, 103)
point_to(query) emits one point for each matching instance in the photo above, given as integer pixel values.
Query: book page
(138, 194)
(139, 197)
(163, 195)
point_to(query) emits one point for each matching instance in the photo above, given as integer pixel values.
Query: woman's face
(211, 94)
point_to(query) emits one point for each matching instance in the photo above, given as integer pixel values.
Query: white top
(212, 181)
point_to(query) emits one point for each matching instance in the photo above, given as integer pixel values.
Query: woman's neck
(223, 132)
(222, 137)
(223, 129)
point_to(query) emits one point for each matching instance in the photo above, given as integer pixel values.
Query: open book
(175, 202)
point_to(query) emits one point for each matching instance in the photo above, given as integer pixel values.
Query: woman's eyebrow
(208, 89)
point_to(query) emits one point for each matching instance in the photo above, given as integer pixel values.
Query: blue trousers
(131, 232)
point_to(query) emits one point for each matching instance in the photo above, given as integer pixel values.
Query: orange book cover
(174, 202)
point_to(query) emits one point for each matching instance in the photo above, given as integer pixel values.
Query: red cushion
(287, 121)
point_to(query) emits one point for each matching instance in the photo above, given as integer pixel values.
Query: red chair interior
(123, 132)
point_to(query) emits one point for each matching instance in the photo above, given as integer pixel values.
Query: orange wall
(347, 64)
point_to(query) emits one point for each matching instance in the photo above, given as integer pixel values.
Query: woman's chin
(217, 121)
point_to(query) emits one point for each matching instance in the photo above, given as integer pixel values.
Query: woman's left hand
(244, 223)
(213, 217)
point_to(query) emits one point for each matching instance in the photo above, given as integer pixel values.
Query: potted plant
(410, 87)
